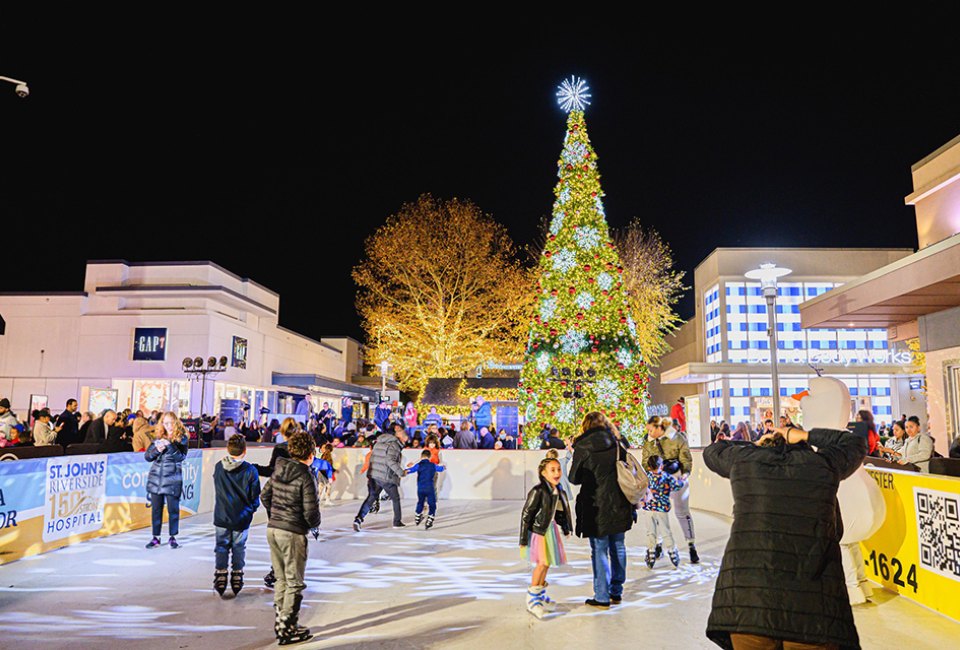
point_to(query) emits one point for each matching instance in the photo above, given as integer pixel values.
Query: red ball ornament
(569, 167)
(529, 391)
(635, 391)
(623, 320)
(586, 167)
(590, 280)
(563, 383)
(553, 292)
(604, 292)
(563, 321)
(553, 332)
(580, 316)
(547, 253)
(586, 267)
(572, 290)
(593, 194)
(593, 302)
(621, 366)
(595, 349)
(619, 269)
(552, 237)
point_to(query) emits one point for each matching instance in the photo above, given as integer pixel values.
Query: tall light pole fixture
(383, 377)
(195, 368)
(21, 86)
(768, 274)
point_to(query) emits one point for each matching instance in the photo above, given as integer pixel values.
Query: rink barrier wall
(48, 503)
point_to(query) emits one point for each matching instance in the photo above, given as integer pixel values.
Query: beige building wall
(936, 195)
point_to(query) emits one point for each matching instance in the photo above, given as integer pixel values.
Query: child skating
(426, 471)
(237, 486)
(546, 519)
(290, 497)
(656, 509)
(326, 474)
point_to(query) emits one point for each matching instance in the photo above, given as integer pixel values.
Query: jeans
(230, 542)
(288, 555)
(681, 506)
(173, 512)
(609, 556)
(658, 525)
(430, 497)
(392, 491)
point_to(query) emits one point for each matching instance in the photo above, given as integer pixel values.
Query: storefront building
(122, 341)
(721, 358)
(917, 296)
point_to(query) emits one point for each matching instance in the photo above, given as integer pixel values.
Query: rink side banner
(917, 551)
(47, 503)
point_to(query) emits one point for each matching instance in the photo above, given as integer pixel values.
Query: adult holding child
(671, 445)
(165, 480)
(603, 513)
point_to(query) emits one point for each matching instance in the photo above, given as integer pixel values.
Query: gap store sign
(150, 344)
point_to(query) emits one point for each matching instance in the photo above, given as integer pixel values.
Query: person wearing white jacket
(43, 433)
(918, 447)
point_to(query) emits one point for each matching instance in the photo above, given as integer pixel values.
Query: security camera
(22, 90)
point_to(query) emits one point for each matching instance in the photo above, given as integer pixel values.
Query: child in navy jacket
(237, 486)
(426, 486)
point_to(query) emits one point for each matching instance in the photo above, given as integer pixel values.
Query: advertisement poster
(37, 403)
(238, 358)
(151, 395)
(47, 503)
(102, 399)
(75, 496)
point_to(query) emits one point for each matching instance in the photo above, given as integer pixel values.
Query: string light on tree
(573, 94)
(589, 333)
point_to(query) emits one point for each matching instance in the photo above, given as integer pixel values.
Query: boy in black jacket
(290, 497)
(237, 487)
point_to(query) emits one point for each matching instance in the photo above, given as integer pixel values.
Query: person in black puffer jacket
(603, 514)
(290, 497)
(165, 480)
(781, 576)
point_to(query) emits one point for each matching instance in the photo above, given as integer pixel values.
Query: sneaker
(417, 518)
(615, 600)
(429, 523)
(399, 524)
(650, 559)
(220, 581)
(173, 543)
(153, 543)
(658, 552)
(596, 603)
(674, 556)
(694, 556)
(356, 525)
(236, 581)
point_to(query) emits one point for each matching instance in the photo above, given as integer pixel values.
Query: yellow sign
(916, 553)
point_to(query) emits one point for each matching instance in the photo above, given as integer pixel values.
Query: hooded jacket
(166, 474)
(541, 508)
(781, 575)
(290, 497)
(385, 460)
(237, 486)
(602, 509)
(669, 448)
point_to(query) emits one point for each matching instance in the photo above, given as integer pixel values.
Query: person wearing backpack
(603, 513)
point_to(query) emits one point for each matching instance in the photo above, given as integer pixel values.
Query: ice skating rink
(459, 585)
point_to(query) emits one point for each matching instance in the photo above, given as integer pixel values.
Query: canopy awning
(701, 372)
(923, 283)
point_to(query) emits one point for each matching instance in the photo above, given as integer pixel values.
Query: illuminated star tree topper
(573, 94)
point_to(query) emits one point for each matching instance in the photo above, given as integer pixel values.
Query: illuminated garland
(582, 321)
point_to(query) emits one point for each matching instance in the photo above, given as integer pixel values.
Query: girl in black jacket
(545, 520)
(165, 480)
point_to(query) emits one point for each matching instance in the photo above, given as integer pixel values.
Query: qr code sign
(938, 531)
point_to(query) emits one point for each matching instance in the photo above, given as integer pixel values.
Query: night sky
(275, 157)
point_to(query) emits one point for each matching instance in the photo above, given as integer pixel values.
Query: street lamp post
(21, 86)
(768, 275)
(383, 377)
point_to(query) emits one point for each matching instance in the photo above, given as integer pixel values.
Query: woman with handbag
(603, 513)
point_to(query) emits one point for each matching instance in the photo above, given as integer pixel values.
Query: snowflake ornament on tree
(573, 341)
(564, 260)
(605, 281)
(584, 300)
(608, 392)
(547, 308)
(586, 237)
(565, 413)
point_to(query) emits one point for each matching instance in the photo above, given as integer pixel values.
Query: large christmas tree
(582, 354)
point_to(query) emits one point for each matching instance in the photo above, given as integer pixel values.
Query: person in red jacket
(678, 416)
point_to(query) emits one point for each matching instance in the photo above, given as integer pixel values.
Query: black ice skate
(417, 518)
(270, 579)
(220, 581)
(674, 556)
(658, 552)
(651, 558)
(236, 581)
(429, 523)
(694, 556)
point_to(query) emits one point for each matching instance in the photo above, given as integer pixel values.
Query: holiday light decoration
(573, 95)
(582, 353)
